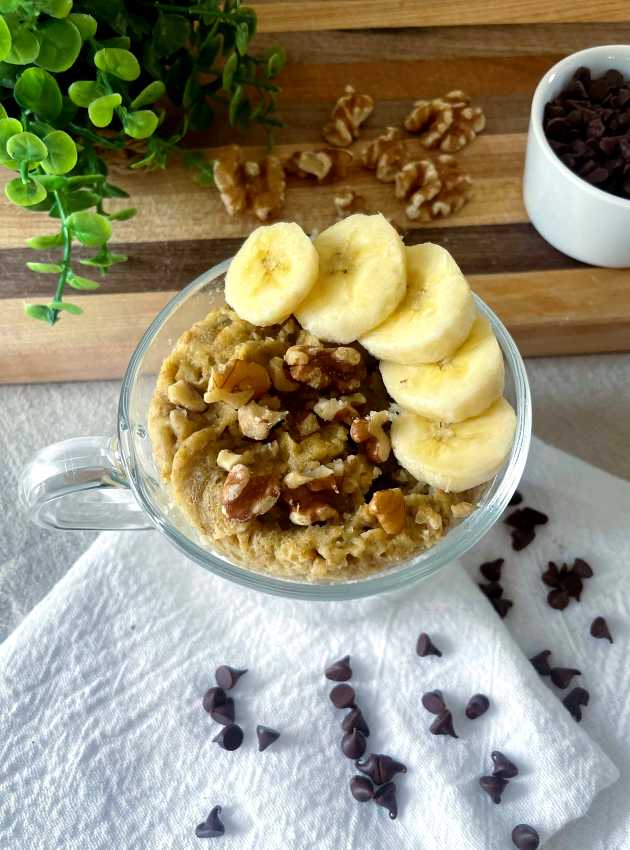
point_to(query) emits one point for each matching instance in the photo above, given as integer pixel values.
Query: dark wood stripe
(158, 267)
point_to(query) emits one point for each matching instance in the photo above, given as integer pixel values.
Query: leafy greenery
(81, 78)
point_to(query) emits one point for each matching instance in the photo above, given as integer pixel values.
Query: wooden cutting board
(552, 304)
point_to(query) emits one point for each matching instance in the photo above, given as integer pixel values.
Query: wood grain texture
(286, 15)
(550, 312)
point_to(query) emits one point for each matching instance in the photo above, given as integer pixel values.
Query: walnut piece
(307, 424)
(315, 476)
(308, 507)
(386, 155)
(326, 164)
(434, 188)
(227, 459)
(369, 430)
(348, 201)
(181, 425)
(448, 123)
(183, 395)
(338, 409)
(237, 382)
(266, 190)
(279, 377)
(462, 510)
(341, 368)
(256, 421)
(259, 186)
(347, 115)
(229, 178)
(388, 506)
(246, 496)
(425, 515)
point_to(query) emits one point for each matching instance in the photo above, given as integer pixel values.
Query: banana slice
(434, 318)
(362, 279)
(454, 457)
(456, 388)
(274, 270)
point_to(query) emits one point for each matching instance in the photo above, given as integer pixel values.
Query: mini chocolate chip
(361, 788)
(433, 701)
(541, 662)
(598, 89)
(342, 696)
(224, 713)
(230, 737)
(354, 720)
(613, 78)
(212, 698)
(582, 569)
(353, 744)
(425, 646)
(227, 677)
(525, 837)
(551, 576)
(561, 676)
(576, 89)
(557, 128)
(494, 786)
(212, 827)
(492, 589)
(572, 585)
(443, 724)
(491, 570)
(516, 499)
(599, 629)
(568, 160)
(339, 671)
(583, 74)
(574, 700)
(266, 737)
(477, 705)
(380, 768)
(386, 796)
(501, 606)
(503, 767)
(595, 129)
(597, 175)
(558, 599)
(525, 518)
(522, 538)
(608, 145)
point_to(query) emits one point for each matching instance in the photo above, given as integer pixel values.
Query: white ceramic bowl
(581, 220)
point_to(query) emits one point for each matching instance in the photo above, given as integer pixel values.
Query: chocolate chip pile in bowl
(290, 446)
(588, 126)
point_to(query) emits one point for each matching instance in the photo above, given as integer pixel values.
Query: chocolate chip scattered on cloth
(102, 687)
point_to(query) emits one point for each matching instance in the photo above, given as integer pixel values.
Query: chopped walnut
(237, 382)
(425, 515)
(308, 507)
(338, 409)
(341, 368)
(348, 201)
(460, 510)
(227, 459)
(266, 190)
(256, 421)
(434, 188)
(279, 377)
(347, 115)
(369, 430)
(388, 506)
(325, 164)
(229, 178)
(386, 155)
(259, 186)
(182, 426)
(246, 496)
(183, 395)
(448, 122)
(307, 424)
(316, 477)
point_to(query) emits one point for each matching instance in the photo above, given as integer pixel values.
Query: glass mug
(101, 483)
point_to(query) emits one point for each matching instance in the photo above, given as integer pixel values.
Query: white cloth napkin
(104, 743)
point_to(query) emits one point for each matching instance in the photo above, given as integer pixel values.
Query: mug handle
(80, 484)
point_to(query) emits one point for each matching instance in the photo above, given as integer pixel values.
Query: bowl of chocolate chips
(576, 185)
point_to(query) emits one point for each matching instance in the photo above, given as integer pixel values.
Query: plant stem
(98, 140)
(67, 252)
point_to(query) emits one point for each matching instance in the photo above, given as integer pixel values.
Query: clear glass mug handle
(80, 484)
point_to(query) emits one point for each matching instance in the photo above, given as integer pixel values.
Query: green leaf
(192, 90)
(58, 8)
(276, 61)
(210, 50)
(3, 112)
(26, 147)
(149, 94)
(77, 200)
(38, 91)
(64, 305)
(50, 182)
(229, 69)
(38, 311)
(60, 45)
(201, 115)
(122, 41)
(86, 24)
(111, 191)
(24, 47)
(117, 62)
(68, 111)
(235, 102)
(123, 215)
(83, 92)
(78, 282)
(5, 38)
(8, 74)
(45, 268)
(39, 243)
(104, 259)
(24, 194)
(101, 110)
(8, 128)
(170, 33)
(140, 125)
(62, 153)
(90, 228)
(242, 38)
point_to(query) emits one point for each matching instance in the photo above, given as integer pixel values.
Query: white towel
(104, 742)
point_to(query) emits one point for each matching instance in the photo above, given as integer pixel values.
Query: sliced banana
(274, 270)
(456, 388)
(434, 318)
(454, 457)
(362, 279)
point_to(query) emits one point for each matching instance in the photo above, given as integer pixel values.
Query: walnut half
(448, 123)
(246, 496)
(256, 421)
(369, 430)
(347, 115)
(388, 506)
(433, 188)
(341, 368)
(237, 382)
